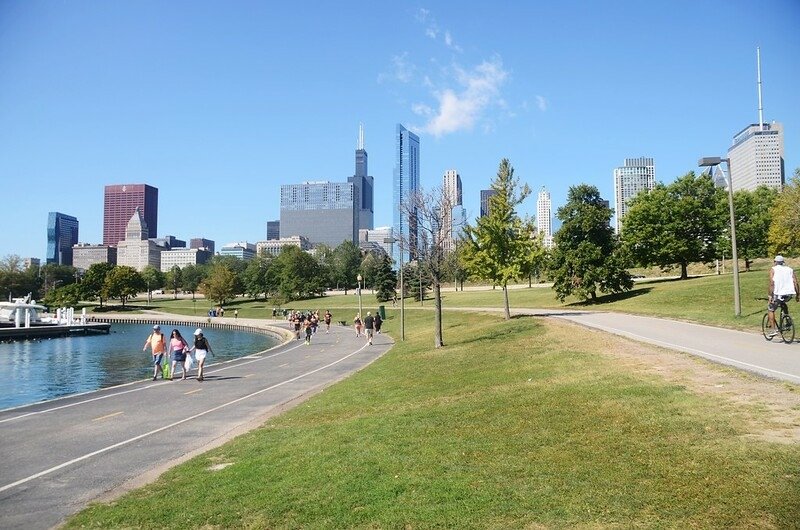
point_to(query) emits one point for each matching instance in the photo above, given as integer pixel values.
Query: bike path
(57, 456)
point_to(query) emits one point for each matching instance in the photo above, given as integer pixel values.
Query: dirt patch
(770, 408)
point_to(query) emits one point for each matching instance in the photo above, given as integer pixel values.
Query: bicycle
(784, 322)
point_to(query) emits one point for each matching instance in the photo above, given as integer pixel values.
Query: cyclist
(782, 286)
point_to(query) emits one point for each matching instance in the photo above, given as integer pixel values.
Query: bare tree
(436, 233)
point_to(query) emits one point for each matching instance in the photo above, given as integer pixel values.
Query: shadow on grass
(615, 297)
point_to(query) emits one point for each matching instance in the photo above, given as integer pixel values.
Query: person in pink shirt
(178, 346)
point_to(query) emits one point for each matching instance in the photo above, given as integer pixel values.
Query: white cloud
(402, 70)
(461, 110)
(448, 41)
(542, 103)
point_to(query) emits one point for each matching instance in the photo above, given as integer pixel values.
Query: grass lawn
(521, 424)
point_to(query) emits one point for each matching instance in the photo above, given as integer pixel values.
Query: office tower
(85, 255)
(119, 204)
(202, 244)
(453, 221)
(405, 185)
(239, 249)
(544, 217)
(273, 230)
(364, 183)
(181, 257)
(377, 236)
(638, 174)
(485, 194)
(322, 212)
(756, 156)
(136, 250)
(62, 234)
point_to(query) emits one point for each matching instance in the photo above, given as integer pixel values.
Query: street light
(392, 241)
(713, 161)
(359, 278)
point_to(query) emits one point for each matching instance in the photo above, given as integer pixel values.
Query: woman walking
(178, 346)
(201, 348)
(357, 323)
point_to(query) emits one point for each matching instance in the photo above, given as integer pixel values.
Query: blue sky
(219, 103)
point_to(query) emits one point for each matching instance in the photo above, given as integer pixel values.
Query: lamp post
(713, 161)
(359, 278)
(392, 241)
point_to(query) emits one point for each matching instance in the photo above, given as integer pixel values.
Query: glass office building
(119, 203)
(322, 212)
(62, 234)
(405, 183)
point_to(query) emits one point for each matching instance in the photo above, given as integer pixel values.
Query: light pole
(392, 241)
(713, 161)
(359, 278)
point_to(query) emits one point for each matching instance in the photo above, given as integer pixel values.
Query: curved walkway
(59, 455)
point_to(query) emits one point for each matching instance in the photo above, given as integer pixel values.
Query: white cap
(198, 331)
(779, 259)
(156, 327)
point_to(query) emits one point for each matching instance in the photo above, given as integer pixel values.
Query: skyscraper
(135, 249)
(62, 234)
(756, 157)
(365, 184)
(636, 175)
(544, 217)
(485, 194)
(322, 212)
(455, 219)
(202, 244)
(405, 184)
(273, 230)
(120, 201)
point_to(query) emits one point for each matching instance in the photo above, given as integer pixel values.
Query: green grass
(518, 424)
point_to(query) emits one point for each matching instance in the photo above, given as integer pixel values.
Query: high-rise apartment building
(485, 194)
(405, 184)
(322, 212)
(454, 220)
(120, 201)
(364, 183)
(62, 234)
(756, 157)
(273, 230)
(638, 174)
(544, 217)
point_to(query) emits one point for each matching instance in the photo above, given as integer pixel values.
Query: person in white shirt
(782, 287)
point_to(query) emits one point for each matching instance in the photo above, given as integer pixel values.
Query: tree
(174, 279)
(257, 276)
(369, 266)
(67, 296)
(296, 274)
(123, 282)
(535, 260)
(785, 225)
(586, 256)
(193, 276)
(153, 279)
(346, 263)
(753, 215)
(675, 224)
(236, 266)
(220, 284)
(385, 280)
(94, 280)
(496, 248)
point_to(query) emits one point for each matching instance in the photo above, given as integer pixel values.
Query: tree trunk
(505, 302)
(684, 271)
(438, 341)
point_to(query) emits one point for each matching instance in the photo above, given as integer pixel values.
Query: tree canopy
(785, 223)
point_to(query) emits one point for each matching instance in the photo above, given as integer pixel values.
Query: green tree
(496, 248)
(325, 265)
(385, 280)
(296, 274)
(535, 259)
(67, 296)
(94, 280)
(586, 258)
(173, 279)
(346, 263)
(220, 284)
(753, 216)
(369, 266)
(674, 225)
(192, 276)
(236, 266)
(123, 282)
(257, 276)
(785, 226)
(153, 279)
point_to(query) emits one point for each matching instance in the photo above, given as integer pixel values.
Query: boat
(25, 312)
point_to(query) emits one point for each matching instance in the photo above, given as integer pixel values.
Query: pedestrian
(328, 317)
(158, 346)
(309, 326)
(235, 314)
(378, 322)
(178, 347)
(298, 323)
(201, 348)
(357, 324)
(369, 325)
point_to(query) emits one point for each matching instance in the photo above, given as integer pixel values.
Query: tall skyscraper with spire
(364, 183)
(544, 217)
(405, 184)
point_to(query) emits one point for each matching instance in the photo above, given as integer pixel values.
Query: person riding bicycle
(782, 286)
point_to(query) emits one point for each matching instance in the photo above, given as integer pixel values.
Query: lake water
(37, 370)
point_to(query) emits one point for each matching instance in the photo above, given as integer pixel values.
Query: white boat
(21, 311)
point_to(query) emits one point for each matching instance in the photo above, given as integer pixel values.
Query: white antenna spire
(760, 106)
(360, 136)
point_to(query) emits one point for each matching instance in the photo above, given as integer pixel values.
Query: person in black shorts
(369, 326)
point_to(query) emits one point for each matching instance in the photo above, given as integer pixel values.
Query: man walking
(369, 326)
(782, 287)
(158, 346)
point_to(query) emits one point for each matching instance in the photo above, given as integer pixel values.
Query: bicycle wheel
(765, 329)
(787, 328)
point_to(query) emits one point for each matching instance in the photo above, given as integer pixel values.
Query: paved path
(748, 351)
(57, 456)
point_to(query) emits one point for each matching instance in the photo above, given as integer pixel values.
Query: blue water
(37, 370)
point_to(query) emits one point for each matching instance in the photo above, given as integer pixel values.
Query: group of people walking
(305, 324)
(179, 353)
(370, 325)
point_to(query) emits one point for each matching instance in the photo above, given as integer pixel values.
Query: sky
(217, 104)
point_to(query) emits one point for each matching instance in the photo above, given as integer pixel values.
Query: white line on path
(165, 427)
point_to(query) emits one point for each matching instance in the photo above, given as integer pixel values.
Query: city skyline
(218, 126)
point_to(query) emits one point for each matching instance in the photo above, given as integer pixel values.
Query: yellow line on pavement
(192, 391)
(283, 365)
(250, 375)
(108, 416)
